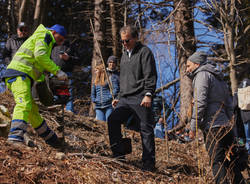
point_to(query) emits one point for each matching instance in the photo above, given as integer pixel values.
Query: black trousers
(218, 140)
(122, 112)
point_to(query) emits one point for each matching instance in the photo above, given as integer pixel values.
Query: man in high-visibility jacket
(27, 66)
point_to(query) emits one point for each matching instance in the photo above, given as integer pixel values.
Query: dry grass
(87, 157)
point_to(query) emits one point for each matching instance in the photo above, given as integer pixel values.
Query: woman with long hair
(101, 92)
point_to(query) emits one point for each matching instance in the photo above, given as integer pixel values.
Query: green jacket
(33, 57)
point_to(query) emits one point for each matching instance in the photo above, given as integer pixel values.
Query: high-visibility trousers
(26, 110)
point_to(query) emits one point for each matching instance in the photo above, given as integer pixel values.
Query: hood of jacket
(209, 68)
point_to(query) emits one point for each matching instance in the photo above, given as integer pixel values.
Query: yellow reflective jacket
(33, 57)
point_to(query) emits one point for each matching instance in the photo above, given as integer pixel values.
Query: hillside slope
(87, 158)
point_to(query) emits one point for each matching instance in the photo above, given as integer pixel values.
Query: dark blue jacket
(101, 96)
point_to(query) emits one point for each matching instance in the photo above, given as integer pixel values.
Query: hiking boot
(147, 166)
(28, 141)
(57, 144)
(16, 144)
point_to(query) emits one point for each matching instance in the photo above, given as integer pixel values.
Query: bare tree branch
(167, 85)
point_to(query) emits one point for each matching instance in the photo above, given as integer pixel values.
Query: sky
(166, 63)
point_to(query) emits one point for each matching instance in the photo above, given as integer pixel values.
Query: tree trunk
(116, 19)
(22, 11)
(232, 58)
(11, 16)
(142, 36)
(98, 39)
(37, 15)
(125, 13)
(229, 46)
(114, 28)
(44, 13)
(185, 45)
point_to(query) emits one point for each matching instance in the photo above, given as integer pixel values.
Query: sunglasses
(22, 29)
(123, 41)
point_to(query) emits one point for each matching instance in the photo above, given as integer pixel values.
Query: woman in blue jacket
(101, 95)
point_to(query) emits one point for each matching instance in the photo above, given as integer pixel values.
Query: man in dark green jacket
(137, 85)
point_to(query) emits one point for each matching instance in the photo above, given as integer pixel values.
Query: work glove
(61, 75)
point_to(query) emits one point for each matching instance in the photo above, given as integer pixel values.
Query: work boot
(148, 166)
(49, 136)
(28, 141)
(57, 143)
(17, 144)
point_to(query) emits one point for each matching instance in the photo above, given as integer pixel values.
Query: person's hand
(146, 101)
(191, 134)
(114, 103)
(61, 75)
(64, 56)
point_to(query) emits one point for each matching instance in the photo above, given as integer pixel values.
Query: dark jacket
(11, 47)
(214, 103)
(101, 96)
(137, 73)
(66, 66)
(116, 73)
(245, 114)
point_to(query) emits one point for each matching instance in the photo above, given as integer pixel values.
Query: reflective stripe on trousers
(17, 129)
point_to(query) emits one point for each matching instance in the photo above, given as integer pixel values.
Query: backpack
(239, 155)
(244, 95)
(157, 107)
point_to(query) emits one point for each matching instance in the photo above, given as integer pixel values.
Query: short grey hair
(130, 29)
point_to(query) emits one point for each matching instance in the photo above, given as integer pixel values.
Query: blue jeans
(2, 87)
(103, 114)
(159, 130)
(2, 84)
(247, 133)
(70, 104)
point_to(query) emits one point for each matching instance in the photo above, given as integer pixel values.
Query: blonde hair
(100, 78)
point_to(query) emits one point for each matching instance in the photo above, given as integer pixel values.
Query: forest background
(173, 29)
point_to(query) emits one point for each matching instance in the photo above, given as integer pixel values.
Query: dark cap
(245, 83)
(199, 57)
(59, 29)
(22, 24)
(112, 58)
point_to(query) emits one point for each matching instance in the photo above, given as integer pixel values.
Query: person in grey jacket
(14, 42)
(65, 57)
(137, 85)
(212, 112)
(12, 45)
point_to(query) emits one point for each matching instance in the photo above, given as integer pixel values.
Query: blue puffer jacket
(101, 96)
